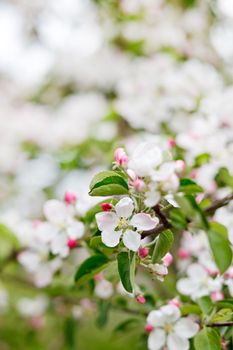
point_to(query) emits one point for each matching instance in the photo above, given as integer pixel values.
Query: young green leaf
(189, 186)
(90, 267)
(162, 245)
(207, 339)
(124, 269)
(205, 304)
(108, 183)
(220, 246)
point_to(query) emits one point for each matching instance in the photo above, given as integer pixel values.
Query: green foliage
(207, 339)
(125, 266)
(90, 267)
(162, 245)
(189, 186)
(206, 305)
(224, 178)
(108, 183)
(220, 246)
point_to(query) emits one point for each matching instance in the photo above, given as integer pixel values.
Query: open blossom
(168, 328)
(66, 229)
(198, 283)
(122, 223)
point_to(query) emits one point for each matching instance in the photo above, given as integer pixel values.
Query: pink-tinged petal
(186, 328)
(111, 238)
(144, 222)
(174, 342)
(171, 312)
(132, 240)
(156, 318)
(75, 230)
(156, 339)
(55, 211)
(106, 221)
(124, 207)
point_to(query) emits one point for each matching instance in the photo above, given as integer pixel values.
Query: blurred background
(77, 78)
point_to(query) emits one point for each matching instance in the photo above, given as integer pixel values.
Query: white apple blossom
(170, 329)
(65, 226)
(198, 283)
(122, 223)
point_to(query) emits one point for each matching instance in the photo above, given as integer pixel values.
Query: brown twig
(165, 224)
(220, 324)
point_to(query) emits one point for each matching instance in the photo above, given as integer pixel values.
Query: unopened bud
(167, 259)
(70, 198)
(149, 328)
(183, 254)
(140, 299)
(72, 243)
(143, 252)
(120, 156)
(106, 206)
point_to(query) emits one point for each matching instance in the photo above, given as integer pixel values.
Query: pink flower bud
(98, 277)
(70, 197)
(180, 166)
(72, 243)
(138, 184)
(143, 252)
(106, 206)
(212, 273)
(176, 302)
(200, 197)
(183, 254)
(215, 296)
(149, 328)
(120, 156)
(171, 143)
(140, 299)
(167, 259)
(131, 174)
(193, 174)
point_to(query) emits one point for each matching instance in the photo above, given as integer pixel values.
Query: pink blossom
(120, 156)
(70, 197)
(106, 206)
(167, 259)
(72, 243)
(149, 328)
(141, 299)
(143, 252)
(183, 254)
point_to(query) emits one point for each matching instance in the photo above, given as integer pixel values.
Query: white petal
(175, 342)
(59, 245)
(144, 222)
(106, 221)
(55, 211)
(186, 328)
(132, 240)
(152, 198)
(171, 312)
(187, 286)
(197, 272)
(75, 230)
(45, 232)
(111, 238)
(124, 207)
(156, 318)
(164, 172)
(156, 339)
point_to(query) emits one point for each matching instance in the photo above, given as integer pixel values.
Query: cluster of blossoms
(155, 77)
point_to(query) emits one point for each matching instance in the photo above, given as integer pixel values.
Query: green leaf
(207, 339)
(220, 246)
(224, 178)
(190, 309)
(90, 267)
(189, 186)
(126, 325)
(202, 159)
(206, 305)
(124, 264)
(162, 246)
(223, 315)
(108, 183)
(103, 308)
